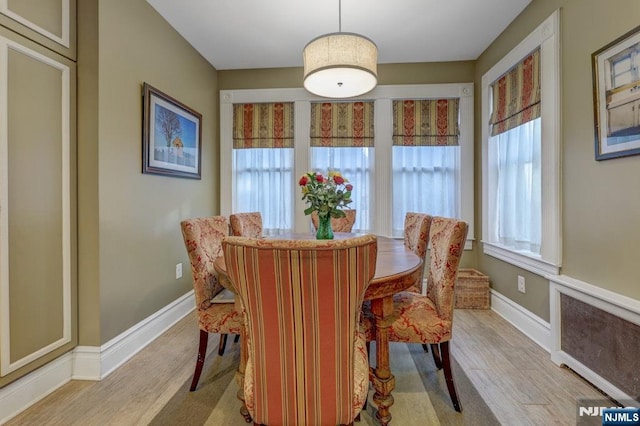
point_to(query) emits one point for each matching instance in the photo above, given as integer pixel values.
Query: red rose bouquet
(325, 195)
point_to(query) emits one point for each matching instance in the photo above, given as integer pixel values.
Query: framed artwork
(171, 136)
(616, 97)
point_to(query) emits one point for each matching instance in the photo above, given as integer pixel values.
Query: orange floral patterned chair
(301, 300)
(338, 224)
(416, 239)
(203, 238)
(428, 319)
(246, 224)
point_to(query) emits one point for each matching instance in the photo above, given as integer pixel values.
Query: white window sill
(527, 261)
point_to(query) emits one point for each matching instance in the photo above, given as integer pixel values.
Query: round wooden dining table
(397, 268)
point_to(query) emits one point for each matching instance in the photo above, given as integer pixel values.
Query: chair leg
(237, 338)
(446, 362)
(425, 347)
(223, 343)
(435, 351)
(202, 352)
(366, 400)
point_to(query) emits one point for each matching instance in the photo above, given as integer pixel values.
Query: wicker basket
(472, 290)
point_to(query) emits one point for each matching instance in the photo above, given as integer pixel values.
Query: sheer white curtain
(425, 180)
(518, 197)
(355, 164)
(263, 179)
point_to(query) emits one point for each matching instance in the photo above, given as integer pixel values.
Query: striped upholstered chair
(301, 302)
(416, 239)
(246, 224)
(203, 240)
(428, 319)
(338, 224)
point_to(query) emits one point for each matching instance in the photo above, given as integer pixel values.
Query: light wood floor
(514, 375)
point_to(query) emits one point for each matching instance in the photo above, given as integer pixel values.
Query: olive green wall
(418, 73)
(88, 207)
(132, 220)
(600, 202)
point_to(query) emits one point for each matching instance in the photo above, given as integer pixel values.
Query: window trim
(382, 96)
(546, 36)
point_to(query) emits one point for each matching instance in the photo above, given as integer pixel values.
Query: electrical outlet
(521, 286)
(178, 271)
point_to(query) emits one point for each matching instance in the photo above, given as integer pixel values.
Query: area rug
(420, 396)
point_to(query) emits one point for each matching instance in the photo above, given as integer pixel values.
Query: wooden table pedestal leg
(381, 377)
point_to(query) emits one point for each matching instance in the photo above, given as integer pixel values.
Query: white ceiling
(240, 34)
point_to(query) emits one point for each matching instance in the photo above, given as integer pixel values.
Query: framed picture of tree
(171, 136)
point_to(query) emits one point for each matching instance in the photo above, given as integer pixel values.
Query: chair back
(203, 240)
(301, 302)
(246, 224)
(416, 233)
(338, 224)
(447, 237)
(416, 238)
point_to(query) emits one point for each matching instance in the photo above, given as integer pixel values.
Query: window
(342, 138)
(521, 152)
(425, 180)
(263, 162)
(262, 183)
(518, 193)
(440, 178)
(425, 159)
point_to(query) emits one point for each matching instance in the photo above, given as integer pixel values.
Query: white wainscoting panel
(605, 300)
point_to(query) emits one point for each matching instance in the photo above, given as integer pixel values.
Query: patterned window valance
(516, 95)
(342, 124)
(427, 122)
(264, 125)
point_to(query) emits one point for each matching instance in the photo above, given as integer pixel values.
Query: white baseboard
(87, 363)
(93, 363)
(24, 392)
(524, 320)
(90, 362)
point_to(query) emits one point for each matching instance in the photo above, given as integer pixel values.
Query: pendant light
(340, 65)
